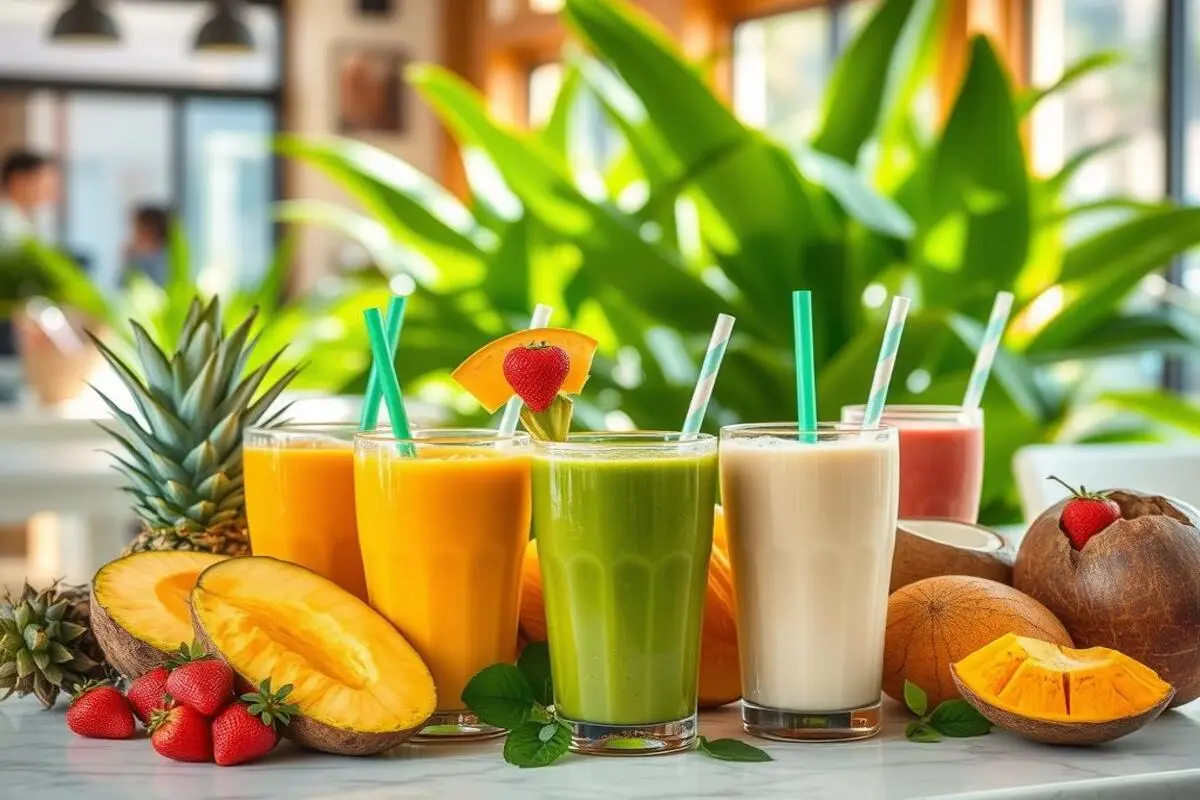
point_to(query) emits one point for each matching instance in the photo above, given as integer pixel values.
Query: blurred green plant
(698, 214)
(322, 332)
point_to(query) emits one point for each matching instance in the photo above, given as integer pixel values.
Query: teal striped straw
(806, 378)
(369, 420)
(987, 351)
(886, 362)
(389, 384)
(708, 375)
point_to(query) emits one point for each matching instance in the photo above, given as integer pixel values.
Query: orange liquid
(442, 542)
(300, 505)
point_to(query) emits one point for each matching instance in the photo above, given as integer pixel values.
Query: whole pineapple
(46, 644)
(183, 457)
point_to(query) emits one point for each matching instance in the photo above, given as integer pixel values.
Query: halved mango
(482, 374)
(139, 610)
(360, 687)
(1057, 694)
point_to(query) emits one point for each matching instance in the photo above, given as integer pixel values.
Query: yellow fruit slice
(1049, 682)
(482, 374)
(360, 687)
(139, 610)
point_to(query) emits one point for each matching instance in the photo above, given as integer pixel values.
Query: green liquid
(624, 546)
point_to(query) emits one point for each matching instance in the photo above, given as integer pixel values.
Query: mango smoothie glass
(624, 525)
(443, 521)
(300, 499)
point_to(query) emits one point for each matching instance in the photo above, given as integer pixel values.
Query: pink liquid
(941, 470)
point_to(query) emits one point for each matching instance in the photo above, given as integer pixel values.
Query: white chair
(1169, 470)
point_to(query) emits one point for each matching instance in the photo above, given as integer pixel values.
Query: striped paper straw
(512, 410)
(708, 374)
(987, 351)
(886, 362)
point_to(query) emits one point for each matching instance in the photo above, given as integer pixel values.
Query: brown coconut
(1134, 587)
(937, 621)
(929, 548)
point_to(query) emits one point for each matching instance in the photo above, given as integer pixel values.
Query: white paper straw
(987, 351)
(886, 362)
(708, 374)
(512, 410)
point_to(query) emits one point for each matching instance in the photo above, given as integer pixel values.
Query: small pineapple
(183, 457)
(46, 644)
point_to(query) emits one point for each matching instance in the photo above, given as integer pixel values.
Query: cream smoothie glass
(941, 459)
(811, 519)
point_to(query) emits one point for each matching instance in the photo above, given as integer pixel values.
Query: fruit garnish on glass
(543, 366)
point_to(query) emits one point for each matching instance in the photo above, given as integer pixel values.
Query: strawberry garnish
(246, 731)
(536, 372)
(148, 693)
(200, 681)
(100, 711)
(181, 733)
(1086, 514)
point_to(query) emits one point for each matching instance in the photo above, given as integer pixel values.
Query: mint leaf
(920, 731)
(958, 718)
(534, 664)
(732, 750)
(915, 698)
(500, 695)
(536, 744)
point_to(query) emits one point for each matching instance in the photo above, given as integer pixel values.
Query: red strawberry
(100, 711)
(536, 372)
(200, 681)
(148, 693)
(246, 731)
(1086, 514)
(181, 733)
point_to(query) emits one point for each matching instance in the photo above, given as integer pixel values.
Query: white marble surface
(40, 759)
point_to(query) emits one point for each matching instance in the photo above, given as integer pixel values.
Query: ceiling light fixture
(225, 31)
(85, 21)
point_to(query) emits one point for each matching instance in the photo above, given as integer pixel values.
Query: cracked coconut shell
(1134, 587)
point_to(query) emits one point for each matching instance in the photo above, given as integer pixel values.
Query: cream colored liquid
(811, 532)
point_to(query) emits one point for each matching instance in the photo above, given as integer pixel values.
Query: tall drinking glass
(811, 520)
(624, 529)
(941, 459)
(443, 520)
(300, 499)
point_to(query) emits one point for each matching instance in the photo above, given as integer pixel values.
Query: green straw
(389, 384)
(806, 381)
(395, 321)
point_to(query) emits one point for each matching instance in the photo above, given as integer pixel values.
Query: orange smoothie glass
(300, 499)
(443, 520)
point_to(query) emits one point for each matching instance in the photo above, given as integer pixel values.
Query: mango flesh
(349, 668)
(146, 594)
(1046, 681)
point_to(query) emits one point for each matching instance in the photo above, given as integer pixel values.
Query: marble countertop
(41, 760)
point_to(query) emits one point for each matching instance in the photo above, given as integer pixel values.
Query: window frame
(177, 96)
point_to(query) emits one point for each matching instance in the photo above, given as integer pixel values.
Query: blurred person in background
(28, 184)
(146, 251)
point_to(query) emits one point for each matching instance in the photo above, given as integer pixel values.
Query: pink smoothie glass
(941, 459)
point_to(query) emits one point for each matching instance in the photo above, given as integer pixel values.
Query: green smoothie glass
(624, 530)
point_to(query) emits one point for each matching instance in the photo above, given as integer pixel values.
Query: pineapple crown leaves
(271, 707)
(186, 654)
(182, 450)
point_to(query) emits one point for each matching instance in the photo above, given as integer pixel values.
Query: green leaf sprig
(520, 699)
(953, 718)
